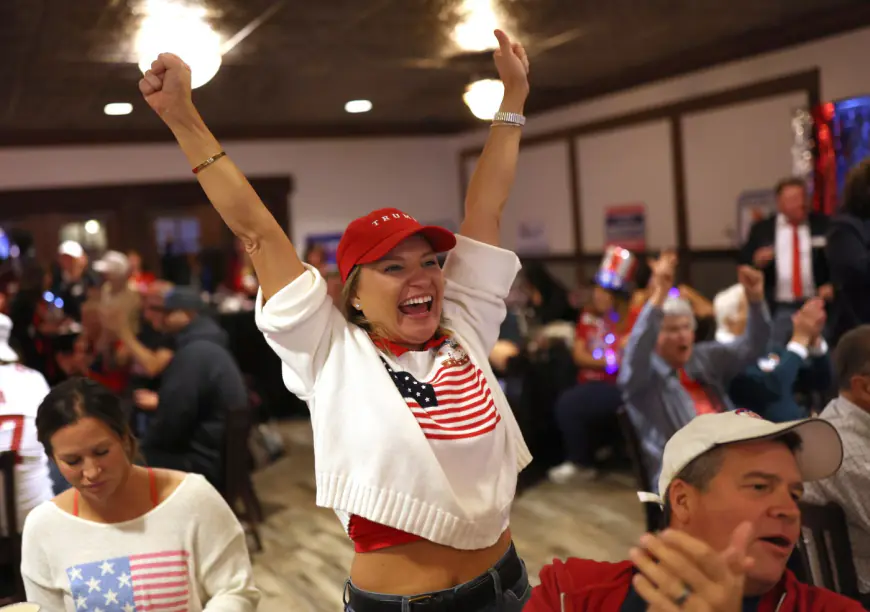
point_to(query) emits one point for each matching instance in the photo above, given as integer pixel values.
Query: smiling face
(757, 482)
(401, 294)
(92, 457)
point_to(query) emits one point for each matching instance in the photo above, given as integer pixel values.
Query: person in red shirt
(730, 485)
(139, 280)
(590, 407)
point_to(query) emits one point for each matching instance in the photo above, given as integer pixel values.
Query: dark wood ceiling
(65, 59)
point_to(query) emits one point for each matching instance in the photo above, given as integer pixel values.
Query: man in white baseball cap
(72, 279)
(730, 484)
(113, 264)
(117, 294)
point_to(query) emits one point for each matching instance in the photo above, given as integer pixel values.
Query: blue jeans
(511, 598)
(585, 414)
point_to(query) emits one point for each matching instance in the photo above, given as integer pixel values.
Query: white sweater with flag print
(186, 555)
(424, 441)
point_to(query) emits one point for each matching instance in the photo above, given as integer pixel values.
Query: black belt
(471, 597)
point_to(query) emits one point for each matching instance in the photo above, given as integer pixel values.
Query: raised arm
(728, 360)
(636, 367)
(494, 175)
(701, 306)
(166, 88)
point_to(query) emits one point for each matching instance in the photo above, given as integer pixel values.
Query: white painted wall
(531, 225)
(737, 148)
(632, 165)
(335, 180)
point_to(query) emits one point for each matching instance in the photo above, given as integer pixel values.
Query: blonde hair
(356, 317)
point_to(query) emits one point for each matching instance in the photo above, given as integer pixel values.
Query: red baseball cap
(369, 238)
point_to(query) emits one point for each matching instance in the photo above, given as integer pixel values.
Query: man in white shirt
(789, 248)
(850, 415)
(21, 392)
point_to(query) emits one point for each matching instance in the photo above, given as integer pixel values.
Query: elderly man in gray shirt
(849, 413)
(666, 378)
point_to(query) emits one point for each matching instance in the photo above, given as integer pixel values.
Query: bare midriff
(423, 567)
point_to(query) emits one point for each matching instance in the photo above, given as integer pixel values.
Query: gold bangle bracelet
(208, 162)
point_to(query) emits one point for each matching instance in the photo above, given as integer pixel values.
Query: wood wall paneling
(128, 212)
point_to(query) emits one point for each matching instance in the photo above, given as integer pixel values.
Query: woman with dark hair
(416, 448)
(123, 535)
(848, 253)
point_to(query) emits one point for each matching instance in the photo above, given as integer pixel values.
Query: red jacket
(580, 585)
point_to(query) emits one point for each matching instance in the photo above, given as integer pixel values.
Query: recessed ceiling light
(358, 106)
(118, 108)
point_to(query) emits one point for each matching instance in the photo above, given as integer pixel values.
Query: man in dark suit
(789, 247)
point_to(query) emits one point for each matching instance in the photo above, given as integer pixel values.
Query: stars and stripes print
(455, 402)
(155, 582)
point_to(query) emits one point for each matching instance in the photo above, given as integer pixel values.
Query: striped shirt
(452, 400)
(150, 581)
(186, 554)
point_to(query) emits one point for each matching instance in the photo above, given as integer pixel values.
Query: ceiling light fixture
(484, 97)
(358, 106)
(168, 26)
(118, 108)
(477, 20)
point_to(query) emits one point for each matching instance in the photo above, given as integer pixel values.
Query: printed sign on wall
(532, 238)
(625, 226)
(753, 205)
(329, 243)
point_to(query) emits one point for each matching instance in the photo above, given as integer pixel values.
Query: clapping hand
(166, 87)
(763, 256)
(512, 64)
(677, 572)
(752, 281)
(809, 322)
(145, 399)
(826, 292)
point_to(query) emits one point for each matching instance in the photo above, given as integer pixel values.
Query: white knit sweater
(441, 465)
(186, 555)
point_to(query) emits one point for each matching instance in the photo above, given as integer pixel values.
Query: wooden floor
(306, 553)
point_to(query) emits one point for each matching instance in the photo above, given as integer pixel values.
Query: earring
(358, 306)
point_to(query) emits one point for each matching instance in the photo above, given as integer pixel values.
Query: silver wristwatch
(509, 118)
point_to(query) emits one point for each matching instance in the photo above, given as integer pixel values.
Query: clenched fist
(752, 281)
(166, 87)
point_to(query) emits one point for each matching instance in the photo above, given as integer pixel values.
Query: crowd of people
(403, 362)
